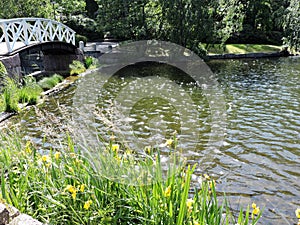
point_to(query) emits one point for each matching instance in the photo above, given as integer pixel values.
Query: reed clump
(62, 187)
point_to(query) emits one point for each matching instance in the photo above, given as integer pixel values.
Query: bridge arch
(49, 57)
(20, 32)
(47, 44)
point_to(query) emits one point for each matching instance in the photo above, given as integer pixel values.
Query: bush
(79, 38)
(84, 26)
(91, 62)
(76, 67)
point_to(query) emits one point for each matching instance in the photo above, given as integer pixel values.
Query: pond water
(259, 159)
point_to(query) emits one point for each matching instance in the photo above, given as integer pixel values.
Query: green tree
(67, 8)
(124, 19)
(91, 7)
(263, 21)
(25, 8)
(185, 22)
(292, 25)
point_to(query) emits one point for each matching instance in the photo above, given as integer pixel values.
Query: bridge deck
(4, 50)
(18, 45)
(32, 30)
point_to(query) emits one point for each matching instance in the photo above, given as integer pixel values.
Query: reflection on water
(260, 157)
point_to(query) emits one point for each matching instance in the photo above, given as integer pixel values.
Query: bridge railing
(25, 31)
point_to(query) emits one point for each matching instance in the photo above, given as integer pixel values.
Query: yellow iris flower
(167, 192)
(57, 155)
(87, 204)
(297, 212)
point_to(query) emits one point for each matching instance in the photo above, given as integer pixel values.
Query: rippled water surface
(260, 156)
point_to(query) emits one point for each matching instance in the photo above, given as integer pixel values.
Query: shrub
(76, 67)
(91, 62)
(79, 38)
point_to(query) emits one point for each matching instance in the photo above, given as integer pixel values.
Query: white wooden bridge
(20, 32)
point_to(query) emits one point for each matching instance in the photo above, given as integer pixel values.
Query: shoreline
(256, 55)
(59, 87)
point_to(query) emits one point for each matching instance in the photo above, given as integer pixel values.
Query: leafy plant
(49, 82)
(61, 187)
(3, 72)
(10, 96)
(76, 67)
(91, 62)
(58, 78)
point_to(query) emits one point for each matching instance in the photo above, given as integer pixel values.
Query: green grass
(9, 102)
(29, 94)
(49, 82)
(63, 188)
(3, 71)
(243, 49)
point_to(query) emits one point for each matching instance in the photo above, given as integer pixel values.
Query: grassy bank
(242, 49)
(62, 188)
(28, 93)
(13, 92)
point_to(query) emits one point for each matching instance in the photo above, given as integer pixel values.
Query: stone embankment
(9, 215)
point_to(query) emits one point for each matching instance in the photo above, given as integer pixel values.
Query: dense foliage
(185, 22)
(63, 188)
(292, 25)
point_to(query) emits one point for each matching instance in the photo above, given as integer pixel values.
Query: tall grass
(14, 93)
(30, 92)
(3, 72)
(61, 187)
(49, 82)
(10, 96)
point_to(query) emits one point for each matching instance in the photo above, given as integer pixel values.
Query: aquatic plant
(3, 71)
(91, 62)
(61, 187)
(49, 82)
(10, 96)
(29, 94)
(76, 67)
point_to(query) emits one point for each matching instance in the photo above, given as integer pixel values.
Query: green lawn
(242, 49)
